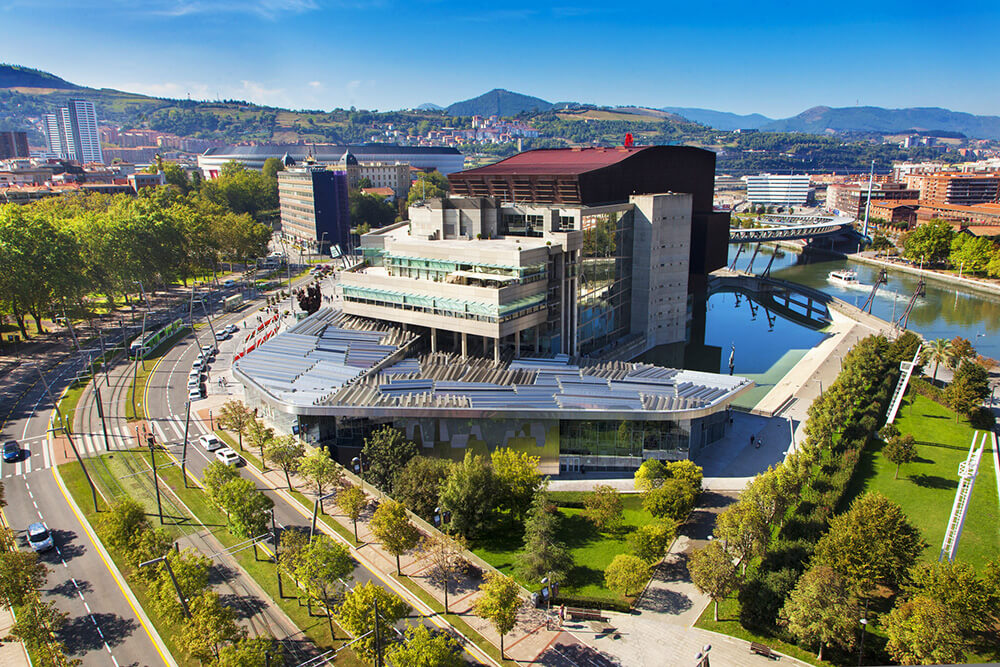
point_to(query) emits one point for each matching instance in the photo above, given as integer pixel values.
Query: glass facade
(438, 270)
(604, 303)
(623, 438)
(469, 310)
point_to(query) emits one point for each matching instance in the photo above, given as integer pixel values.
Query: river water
(767, 345)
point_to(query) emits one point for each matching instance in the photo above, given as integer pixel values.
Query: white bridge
(791, 227)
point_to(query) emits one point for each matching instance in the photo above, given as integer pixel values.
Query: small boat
(844, 278)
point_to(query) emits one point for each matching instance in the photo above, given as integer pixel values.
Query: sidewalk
(525, 644)
(12, 654)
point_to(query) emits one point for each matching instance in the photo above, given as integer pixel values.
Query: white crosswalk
(38, 456)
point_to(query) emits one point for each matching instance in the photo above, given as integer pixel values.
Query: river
(767, 345)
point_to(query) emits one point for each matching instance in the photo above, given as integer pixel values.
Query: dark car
(11, 451)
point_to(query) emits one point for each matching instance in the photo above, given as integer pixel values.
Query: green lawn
(591, 550)
(729, 624)
(926, 488)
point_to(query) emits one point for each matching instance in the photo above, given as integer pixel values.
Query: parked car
(11, 451)
(198, 363)
(221, 335)
(39, 537)
(194, 393)
(229, 283)
(211, 442)
(194, 381)
(209, 350)
(232, 328)
(228, 456)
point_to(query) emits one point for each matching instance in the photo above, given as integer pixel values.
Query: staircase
(904, 379)
(967, 471)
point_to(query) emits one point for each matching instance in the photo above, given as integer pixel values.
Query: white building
(72, 133)
(783, 189)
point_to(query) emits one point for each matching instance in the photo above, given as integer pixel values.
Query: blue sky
(775, 58)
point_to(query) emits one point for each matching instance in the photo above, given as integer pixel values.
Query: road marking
(154, 638)
(159, 431)
(30, 494)
(46, 456)
(27, 465)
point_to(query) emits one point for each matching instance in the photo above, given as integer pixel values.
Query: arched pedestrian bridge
(792, 227)
(803, 305)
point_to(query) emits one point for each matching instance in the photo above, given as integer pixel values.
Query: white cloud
(315, 84)
(268, 9)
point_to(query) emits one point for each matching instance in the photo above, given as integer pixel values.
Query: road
(103, 626)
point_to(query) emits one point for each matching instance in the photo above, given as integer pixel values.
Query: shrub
(673, 500)
(763, 595)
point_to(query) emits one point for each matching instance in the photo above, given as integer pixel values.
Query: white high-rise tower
(72, 133)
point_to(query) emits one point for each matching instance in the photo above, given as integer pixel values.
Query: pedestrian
(759, 442)
(751, 439)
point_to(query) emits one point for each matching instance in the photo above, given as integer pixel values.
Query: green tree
(498, 604)
(36, 625)
(604, 508)
(936, 351)
(418, 485)
(427, 186)
(880, 242)
(357, 615)
(968, 389)
(422, 648)
(923, 631)
(391, 526)
(468, 493)
(772, 492)
(961, 350)
(121, 525)
(626, 573)
(543, 554)
(385, 453)
(286, 452)
(673, 499)
(820, 610)
(370, 209)
(687, 471)
(21, 575)
(516, 477)
(320, 566)
(972, 254)
(211, 624)
(446, 555)
(900, 449)
(216, 475)
(352, 501)
(236, 417)
(191, 569)
(650, 541)
(320, 470)
(872, 543)
(929, 243)
(246, 508)
(713, 572)
(260, 436)
(966, 595)
(743, 529)
(251, 652)
(650, 474)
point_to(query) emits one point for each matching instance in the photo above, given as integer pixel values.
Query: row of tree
(936, 242)
(63, 253)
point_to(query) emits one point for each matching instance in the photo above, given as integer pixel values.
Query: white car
(194, 381)
(194, 393)
(211, 442)
(228, 456)
(198, 363)
(232, 328)
(208, 350)
(221, 335)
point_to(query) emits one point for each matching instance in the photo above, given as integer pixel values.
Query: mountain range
(817, 120)
(500, 102)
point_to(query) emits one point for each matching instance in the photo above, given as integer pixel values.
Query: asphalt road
(103, 628)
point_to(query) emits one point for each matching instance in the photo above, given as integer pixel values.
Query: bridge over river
(793, 227)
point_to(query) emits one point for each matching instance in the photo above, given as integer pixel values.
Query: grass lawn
(591, 550)
(926, 488)
(137, 410)
(728, 624)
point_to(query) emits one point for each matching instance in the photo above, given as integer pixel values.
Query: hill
(876, 119)
(498, 102)
(17, 76)
(429, 106)
(720, 120)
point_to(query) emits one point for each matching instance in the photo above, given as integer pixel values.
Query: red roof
(557, 161)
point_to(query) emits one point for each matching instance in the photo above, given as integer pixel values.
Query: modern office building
(960, 189)
(550, 252)
(442, 158)
(314, 207)
(851, 198)
(778, 189)
(13, 144)
(334, 378)
(72, 132)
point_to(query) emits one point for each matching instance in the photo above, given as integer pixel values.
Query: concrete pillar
(434, 340)
(517, 343)
(496, 351)
(465, 345)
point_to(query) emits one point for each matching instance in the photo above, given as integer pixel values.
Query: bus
(142, 346)
(233, 303)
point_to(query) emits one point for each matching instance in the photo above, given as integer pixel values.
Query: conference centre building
(507, 314)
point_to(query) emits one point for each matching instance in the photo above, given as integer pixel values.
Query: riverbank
(984, 286)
